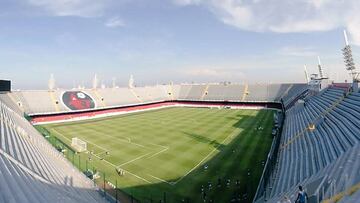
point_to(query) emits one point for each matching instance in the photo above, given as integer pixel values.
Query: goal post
(78, 144)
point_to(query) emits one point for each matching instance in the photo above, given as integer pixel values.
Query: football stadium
(190, 142)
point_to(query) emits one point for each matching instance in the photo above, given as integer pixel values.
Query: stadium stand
(175, 90)
(351, 198)
(184, 92)
(56, 101)
(254, 92)
(196, 92)
(258, 92)
(110, 96)
(49, 102)
(292, 94)
(151, 94)
(215, 93)
(97, 96)
(32, 170)
(8, 101)
(231, 92)
(320, 147)
(276, 91)
(234, 92)
(38, 101)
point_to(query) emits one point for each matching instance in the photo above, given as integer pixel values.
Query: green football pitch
(175, 153)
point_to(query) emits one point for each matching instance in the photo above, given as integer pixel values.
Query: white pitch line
(57, 132)
(97, 145)
(172, 184)
(87, 142)
(129, 139)
(112, 164)
(195, 166)
(137, 176)
(230, 135)
(97, 155)
(134, 159)
(122, 140)
(140, 145)
(127, 172)
(125, 139)
(158, 152)
(159, 145)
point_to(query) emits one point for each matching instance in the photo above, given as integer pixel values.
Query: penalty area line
(100, 147)
(134, 159)
(111, 164)
(127, 172)
(170, 183)
(122, 139)
(159, 152)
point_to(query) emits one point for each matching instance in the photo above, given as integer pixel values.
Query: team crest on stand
(77, 100)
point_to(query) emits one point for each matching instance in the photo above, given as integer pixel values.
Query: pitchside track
(172, 152)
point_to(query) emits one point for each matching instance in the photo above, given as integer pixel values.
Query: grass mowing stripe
(204, 159)
(177, 143)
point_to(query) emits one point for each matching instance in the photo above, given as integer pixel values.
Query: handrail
(314, 122)
(246, 92)
(341, 194)
(270, 161)
(205, 92)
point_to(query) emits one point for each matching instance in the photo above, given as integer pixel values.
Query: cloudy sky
(159, 41)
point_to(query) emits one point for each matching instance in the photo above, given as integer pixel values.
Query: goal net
(78, 144)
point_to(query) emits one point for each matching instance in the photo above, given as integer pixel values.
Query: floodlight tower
(321, 71)
(51, 83)
(95, 81)
(131, 81)
(114, 82)
(349, 60)
(306, 74)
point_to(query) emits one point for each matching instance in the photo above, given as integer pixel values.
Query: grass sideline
(163, 152)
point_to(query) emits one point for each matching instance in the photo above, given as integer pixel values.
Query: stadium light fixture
(114, 82)
(306, 74)
(321, 70)
(51, 83)
(131, 81)
(95, 81)
(349, 60)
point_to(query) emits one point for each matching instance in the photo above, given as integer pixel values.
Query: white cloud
(115, 22)
(187, 2)
(353, 27)
(286, 16)
(81, 8)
